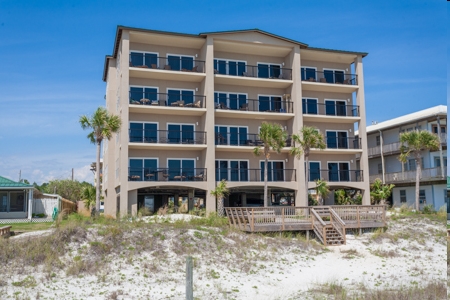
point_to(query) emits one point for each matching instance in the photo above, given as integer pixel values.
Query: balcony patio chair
(312, 79)
(162, 103)
(196, 104)
(216, 72)
(135, 102)
(154, 66)
(195, 69)
(167, 67)
(347, 81)
(199, 177)
(145, 101)
(323, 80)
(244, 106)
(178, 103)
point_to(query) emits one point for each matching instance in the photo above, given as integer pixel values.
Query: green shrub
(428, 209)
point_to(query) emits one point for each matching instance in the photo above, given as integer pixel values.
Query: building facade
(384, 150)
(192, 105)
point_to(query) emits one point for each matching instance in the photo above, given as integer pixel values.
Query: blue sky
(52, 55)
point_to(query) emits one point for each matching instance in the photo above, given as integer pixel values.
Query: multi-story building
(192, 105)
(384, 149)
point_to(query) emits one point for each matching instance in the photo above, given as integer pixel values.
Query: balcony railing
(343, 143)
(242, 139)
(166, 174)
(410, 176)
(273, 106)
(444, 138)
(170, 100)
(269, 71)
(255, 175)
(387, 149)
(330, 109)
(336, 175)
(333, 77)
(167, 137)
(170, 63)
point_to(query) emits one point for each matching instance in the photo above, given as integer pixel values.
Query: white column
(30, 204)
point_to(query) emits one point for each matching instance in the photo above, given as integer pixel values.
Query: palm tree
(380, 192)
(274, 138)
(307, 139)
(103, 125)
(413, 143)
(88, 197)
(341, 198)
(322, 190)
(220, 191)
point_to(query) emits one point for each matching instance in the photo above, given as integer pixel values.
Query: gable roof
(8, 183)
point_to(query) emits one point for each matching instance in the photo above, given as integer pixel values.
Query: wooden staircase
(328, 226)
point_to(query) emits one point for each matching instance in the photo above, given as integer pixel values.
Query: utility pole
(20, 175)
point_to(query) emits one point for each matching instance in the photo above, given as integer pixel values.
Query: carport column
(190, 199)
(176, 202)
(132, 202)
(30, 204)
(210, 156)
(244, 199)
(360, 101)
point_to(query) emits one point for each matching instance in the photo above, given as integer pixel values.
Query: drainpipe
(382, 157)
(441, 158)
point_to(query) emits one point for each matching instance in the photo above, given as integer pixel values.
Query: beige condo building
(192, 105)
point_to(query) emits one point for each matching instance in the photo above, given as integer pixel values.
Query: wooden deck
(327, 222)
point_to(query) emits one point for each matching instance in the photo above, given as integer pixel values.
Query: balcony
(171, 104)
(429, 174)
(340, 145)
(242, 142)
(255, 175)
(328, 81)
(270, 109)
(166, 174)
(335, 111)
(172, 67)
(263, 75)
(166, 139)
(336, 175)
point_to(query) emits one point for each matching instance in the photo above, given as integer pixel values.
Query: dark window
(422, 197)
(314, 171)
(402, 196)
(308, 74)
(377, 140)
(309, 106)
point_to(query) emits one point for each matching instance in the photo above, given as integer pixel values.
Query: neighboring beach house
(15, 199)
(191, 107)
(384, 149)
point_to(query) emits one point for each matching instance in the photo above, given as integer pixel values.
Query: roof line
(363, 54)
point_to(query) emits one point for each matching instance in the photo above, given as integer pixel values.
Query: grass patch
(29, 226)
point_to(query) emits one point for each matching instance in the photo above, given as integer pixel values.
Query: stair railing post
(282, 218)
(253, 221)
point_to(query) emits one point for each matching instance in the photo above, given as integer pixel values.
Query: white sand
(420, 258)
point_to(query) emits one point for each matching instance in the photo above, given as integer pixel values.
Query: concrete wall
(434, 195)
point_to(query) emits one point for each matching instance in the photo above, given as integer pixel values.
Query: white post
(30, 204)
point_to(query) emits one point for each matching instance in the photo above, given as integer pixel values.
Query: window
(229, 67)
(335, 108)
(140, 59)
(445, 196)
(402, 196)
(270, 103)
(334, 76)
(308, 74)
(337, 139)
(309, 106)
(143, 169)
(377, 139)
(12, 201)
(380, 168)
(232, 170)
(339, 171)
(269, 70)
(233, 101)
(437, 161)
(178, 62)
(314, 171)
(434, 129)
(176, 95)
(3, 201)
(180, 133)
(275, 171)
(138, 93)
(181, 167)
(230, 135)
(143, 132)
(422, 197)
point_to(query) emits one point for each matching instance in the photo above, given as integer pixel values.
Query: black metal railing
(164, 99)
(261, 105)
(343, 142)
(166, 174)
(335, 109)
(242, 139)
(167, 136)
(255, 175)
(333, 77)
(270, 71)
(335, 175)
(170, 63)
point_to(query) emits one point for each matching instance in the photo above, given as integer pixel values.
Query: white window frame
(309, 167)
(334, 74)
(228, 97)
(340, 162)
(278, 160)
(270, 64)
(227, 65)
(306, 67)
(317, 105)
(229, 171)
(143, 60)
(142, 158)
(347, 133)
(228, 131)
(283, 106)
(143, 126)
(180, 55)
(167, 127)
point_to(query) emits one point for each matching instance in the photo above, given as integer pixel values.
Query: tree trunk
(220, 205)
(418, 173)
(266, 167)
(97, 179)
(307, 176)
